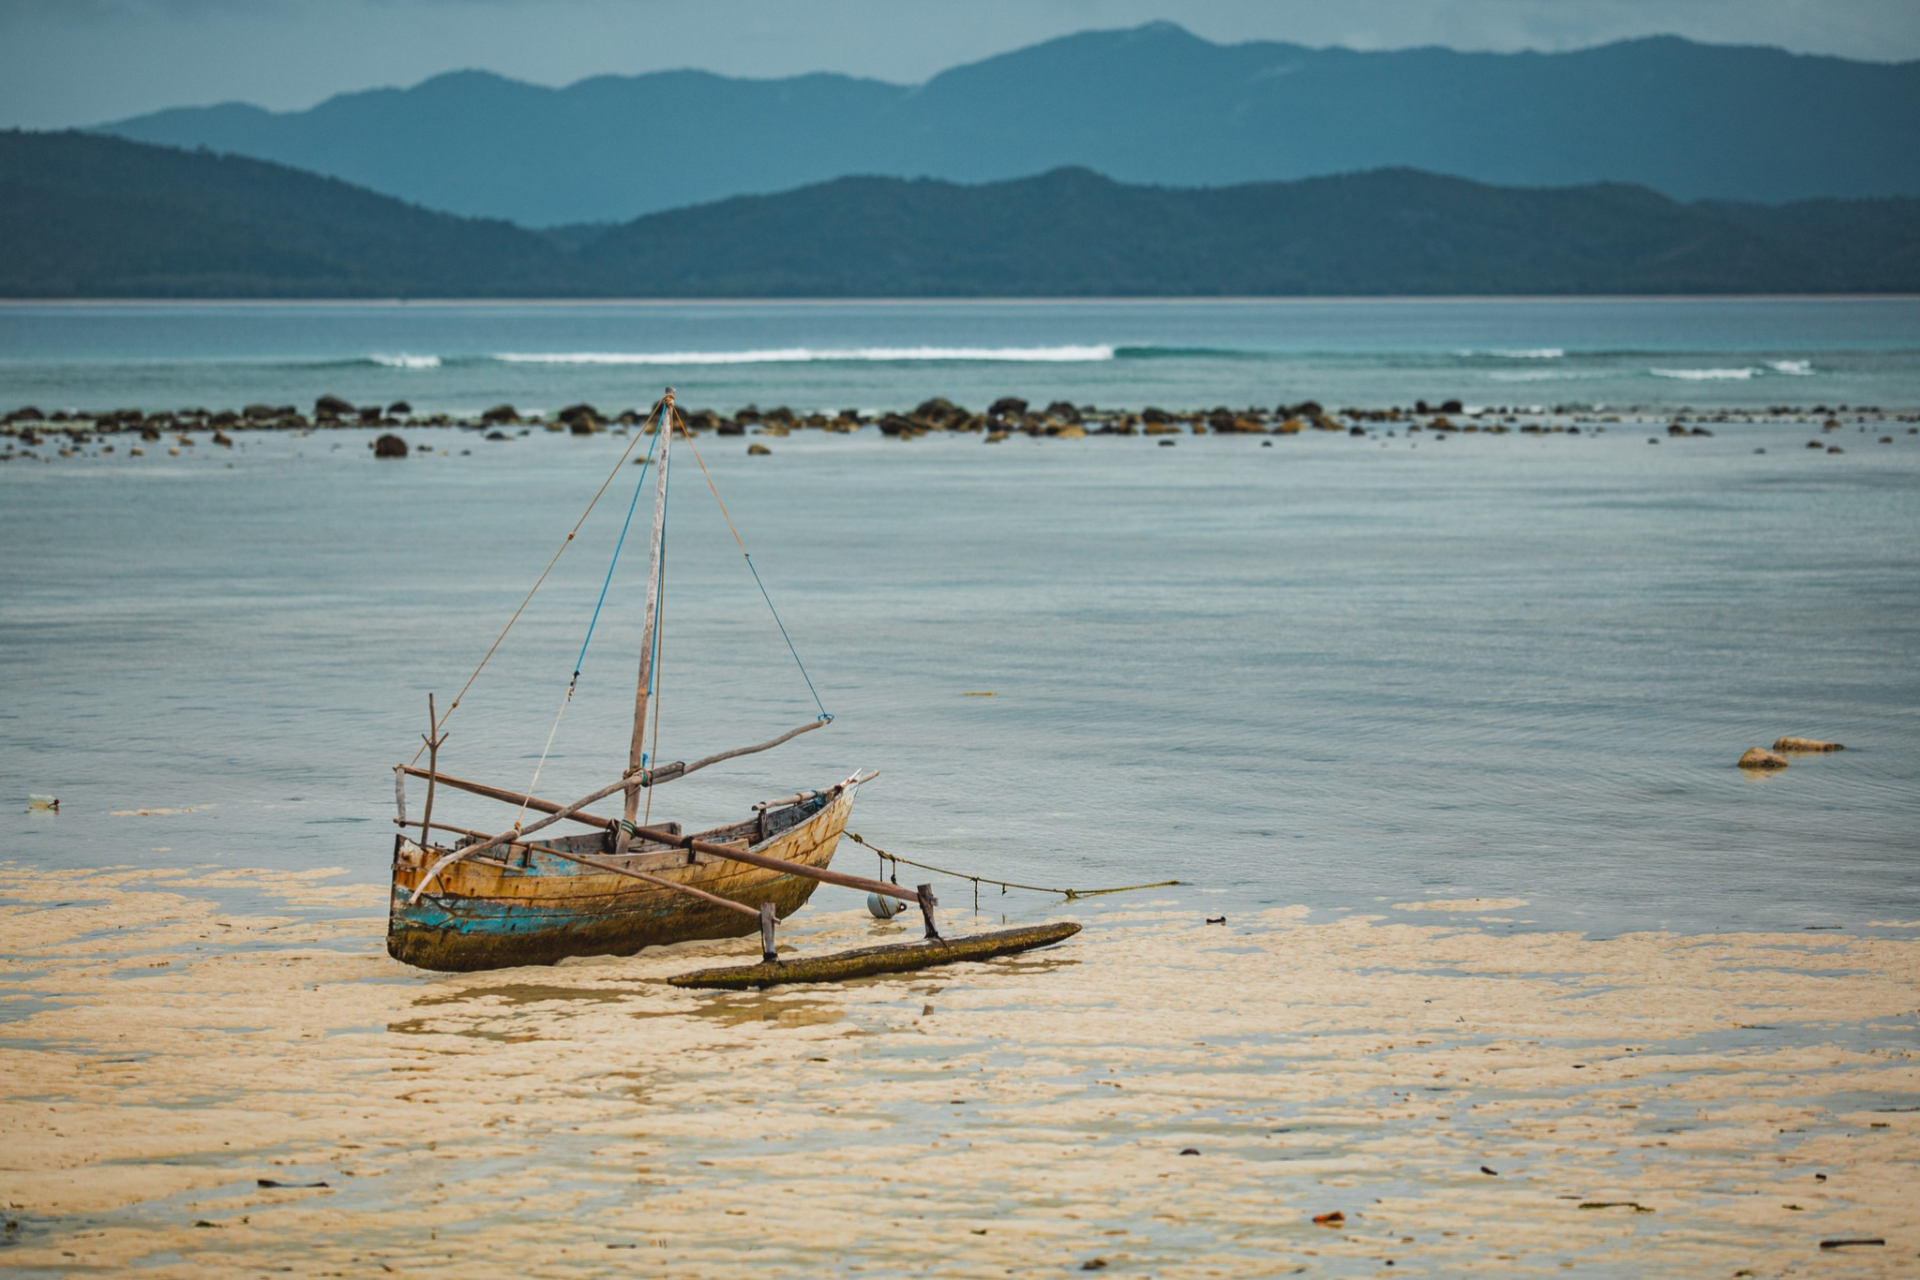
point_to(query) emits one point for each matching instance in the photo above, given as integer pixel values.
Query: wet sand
(1159, 1096)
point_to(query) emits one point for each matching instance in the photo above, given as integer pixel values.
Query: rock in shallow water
(1761, 758)
(1805, 745)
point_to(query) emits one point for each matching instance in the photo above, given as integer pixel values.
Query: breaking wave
(822, 355)
(1706, 375)
(405, 361)
(1539, 375)
(1795, 368)
(1524, 353)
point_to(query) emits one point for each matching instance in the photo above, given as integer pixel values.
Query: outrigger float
(465, 899)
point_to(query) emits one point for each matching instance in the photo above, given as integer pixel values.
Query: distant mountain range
(89, 216)
(1154, 104)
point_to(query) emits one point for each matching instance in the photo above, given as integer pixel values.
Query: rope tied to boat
(748, 557)
(1004, 884)
(566, 700)
(537, 582)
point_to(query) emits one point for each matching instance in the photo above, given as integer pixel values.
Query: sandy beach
(221, 1071)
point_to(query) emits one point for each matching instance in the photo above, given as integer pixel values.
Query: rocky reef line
(29, 432)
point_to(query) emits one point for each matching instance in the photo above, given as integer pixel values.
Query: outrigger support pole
(768, 952)
(927, 903)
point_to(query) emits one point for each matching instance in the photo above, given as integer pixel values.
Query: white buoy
(884, 908)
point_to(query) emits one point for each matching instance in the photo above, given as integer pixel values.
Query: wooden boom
(501, 793)
(777, 864)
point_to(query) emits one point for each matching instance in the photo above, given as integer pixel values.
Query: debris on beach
(1761, 758)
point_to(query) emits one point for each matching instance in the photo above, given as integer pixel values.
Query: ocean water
(465, 357)
(1345, 672)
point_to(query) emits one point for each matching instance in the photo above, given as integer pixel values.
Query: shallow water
(1518, 971)
(1329, 672)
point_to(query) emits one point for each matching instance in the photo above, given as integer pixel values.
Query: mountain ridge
(91, 216)
(1142, 105)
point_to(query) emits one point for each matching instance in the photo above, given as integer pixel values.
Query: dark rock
(389, 447)
(573, 411)
(500, 415)
(729, 427)
(1064, 411)
(940, 410)
(1007, 407)
(222, 439)
(399, 409)
(370, 416)
(331, 407)
(497, 435)
(150, 434)
(582, 424)
(27, 413)
(1151, 414)
(259, 413)
(758, 451)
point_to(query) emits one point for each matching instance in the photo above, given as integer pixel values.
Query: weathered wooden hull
(532, 908)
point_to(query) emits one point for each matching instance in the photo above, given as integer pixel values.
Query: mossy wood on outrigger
(491, 901)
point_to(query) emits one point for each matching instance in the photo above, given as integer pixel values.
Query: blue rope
(784, 636)
(646, 465)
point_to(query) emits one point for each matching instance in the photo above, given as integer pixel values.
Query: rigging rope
(566, 699)
(1006, 884)
(747, 556)
(568, 541)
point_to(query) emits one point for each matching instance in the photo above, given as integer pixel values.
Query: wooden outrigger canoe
(492, 901)
(529, 905)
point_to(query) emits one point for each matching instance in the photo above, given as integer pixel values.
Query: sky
(81, 62)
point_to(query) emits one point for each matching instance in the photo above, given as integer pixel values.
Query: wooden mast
(636, 750)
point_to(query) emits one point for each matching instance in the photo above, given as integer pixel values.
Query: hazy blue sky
(65, 62)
